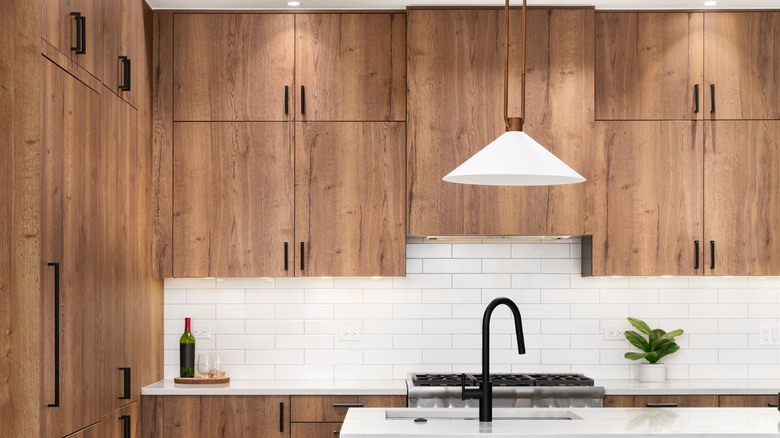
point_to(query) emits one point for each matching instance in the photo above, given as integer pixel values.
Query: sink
(538, 414)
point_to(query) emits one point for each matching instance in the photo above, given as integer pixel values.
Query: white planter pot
(652, 372)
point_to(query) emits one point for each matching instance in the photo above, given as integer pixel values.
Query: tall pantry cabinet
(81, 313)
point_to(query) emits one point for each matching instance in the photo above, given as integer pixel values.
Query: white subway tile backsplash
(431, 320)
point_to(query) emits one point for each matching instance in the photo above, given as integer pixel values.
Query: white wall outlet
(201, 332)
(769, 334)
(614, 333)
(349, 334)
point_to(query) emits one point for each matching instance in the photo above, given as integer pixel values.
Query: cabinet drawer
(748, 401)
(681, 401)
(618, 401)
(315, 430)
(314, 408)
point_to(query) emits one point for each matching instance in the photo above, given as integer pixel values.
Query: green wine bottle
(187, 351)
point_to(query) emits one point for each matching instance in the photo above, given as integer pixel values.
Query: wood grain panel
(112, 427)
(119, 39)
(742, 60)
(352, 65)
(683, 401)
(349, 199)
(58, 27)
(747, 401)
(315, 430)
(654, 197)
(162, 145)
(455, 109)
(94, 431)
(226, 416)
(314, 408)
(232, 66)
(152, 416)
(741, 186)
(647, 65)
(232, 184)
(618, 401)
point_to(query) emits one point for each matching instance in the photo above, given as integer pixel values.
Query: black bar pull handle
(125, 419)
(771, 405)
(281, 416)
(347, 405)
(286, 256)
(125, 74)
(712, 98)
(126, 391)
(303, 265)
(286, 99)
(79, 40)
(712, 254)
(661, 405)
(56, 403)
(696, 250)
(336, 432)
(303, 100)
(696, 98)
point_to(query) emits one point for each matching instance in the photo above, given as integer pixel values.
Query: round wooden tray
(201, 380)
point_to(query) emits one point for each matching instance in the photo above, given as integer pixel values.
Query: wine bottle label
(187, 355)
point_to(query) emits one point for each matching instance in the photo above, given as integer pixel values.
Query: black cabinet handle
(56, 403)
(286, 255)
(79, 47)
(712, 254)
(712, 97)
(661, 405)
(336, 432)
(125, 419)
(286, 99)
(347, 405)
(125, 74)
(696, 98)
(303, 100)
(281, 416)
(302, 263)
(696, 249)
(126, 390)
(771, 405)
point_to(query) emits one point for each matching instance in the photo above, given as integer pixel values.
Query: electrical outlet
(349, 334)
(769, 334)
(202, 332)
(614, 333)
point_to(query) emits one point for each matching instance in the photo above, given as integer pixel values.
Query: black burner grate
(520, 379)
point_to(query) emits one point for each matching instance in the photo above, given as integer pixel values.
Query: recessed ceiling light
(299, 3)
(710, 3)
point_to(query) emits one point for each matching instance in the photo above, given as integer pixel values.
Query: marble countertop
(735, 387)
(612, 422)
(280, 387)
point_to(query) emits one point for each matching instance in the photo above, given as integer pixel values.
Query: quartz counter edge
(280, 387)
(691, 387)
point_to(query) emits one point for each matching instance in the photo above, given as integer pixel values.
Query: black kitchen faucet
(485, 391)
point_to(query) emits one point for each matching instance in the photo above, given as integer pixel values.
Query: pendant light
(514, 158)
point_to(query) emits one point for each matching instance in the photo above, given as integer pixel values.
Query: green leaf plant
(657, 345)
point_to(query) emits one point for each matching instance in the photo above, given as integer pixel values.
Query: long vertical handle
(286, 99)
(303, 100)
(56, 403)
(696, 98)
(302, 263)
(696, 248)
(126, 391)
(286, 256)
(712, 254)
(281, 416)
(125, 74)
(125, 419)
(83, 40)
(712, 98)
(79, 39)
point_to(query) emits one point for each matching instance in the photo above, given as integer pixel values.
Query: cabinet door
(71, 137)
(676, 401)
(349, 196)
(61, 29)
(226, 416)
(233, 67)
(121, 423)
(120, 20)
(741, 186)
(748, 401)
(654, 198)
(456, 109)
(316, 430)
(742, 61)
(333, 409)
(94, 431)
(232, 199)
(647, 64)
(352, 67)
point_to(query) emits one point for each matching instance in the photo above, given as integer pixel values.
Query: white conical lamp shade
(514, 159)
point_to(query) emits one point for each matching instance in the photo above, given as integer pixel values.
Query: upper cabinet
(350, 67)
(121, 51)
(455, 109)
(687, 66)
(75, 28)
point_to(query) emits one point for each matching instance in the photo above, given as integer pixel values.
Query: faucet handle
(463, 386)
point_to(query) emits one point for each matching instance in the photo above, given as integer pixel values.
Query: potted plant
(657, 345)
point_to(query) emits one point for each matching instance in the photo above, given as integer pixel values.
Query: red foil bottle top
(186, 324)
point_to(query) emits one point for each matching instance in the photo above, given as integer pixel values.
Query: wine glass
(205, 364)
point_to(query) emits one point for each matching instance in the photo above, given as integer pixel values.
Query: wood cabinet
(94, 431)
(349, 199)
(226, 416)
(120, 48)
(747, 401)
(233, 199)
(350, 67)
(690, 401)
(321, 416)
(455, 109)
(676, 401)
(122, 423)
(75, 28)
(315, 430)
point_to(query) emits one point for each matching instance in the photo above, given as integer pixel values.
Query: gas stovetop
(503, 380)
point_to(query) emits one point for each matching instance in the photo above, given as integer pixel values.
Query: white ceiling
(401, 4)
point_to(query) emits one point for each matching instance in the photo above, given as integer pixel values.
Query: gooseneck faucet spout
(485, 391)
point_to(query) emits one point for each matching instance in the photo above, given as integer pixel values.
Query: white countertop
(281, 387)
(613, 422)
(735, 387)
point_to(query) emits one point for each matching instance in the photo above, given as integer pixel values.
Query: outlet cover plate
(769, 334)
(201, 332)
(349, 334)
(614, 333)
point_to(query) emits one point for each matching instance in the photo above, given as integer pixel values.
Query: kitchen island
(574, 422)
